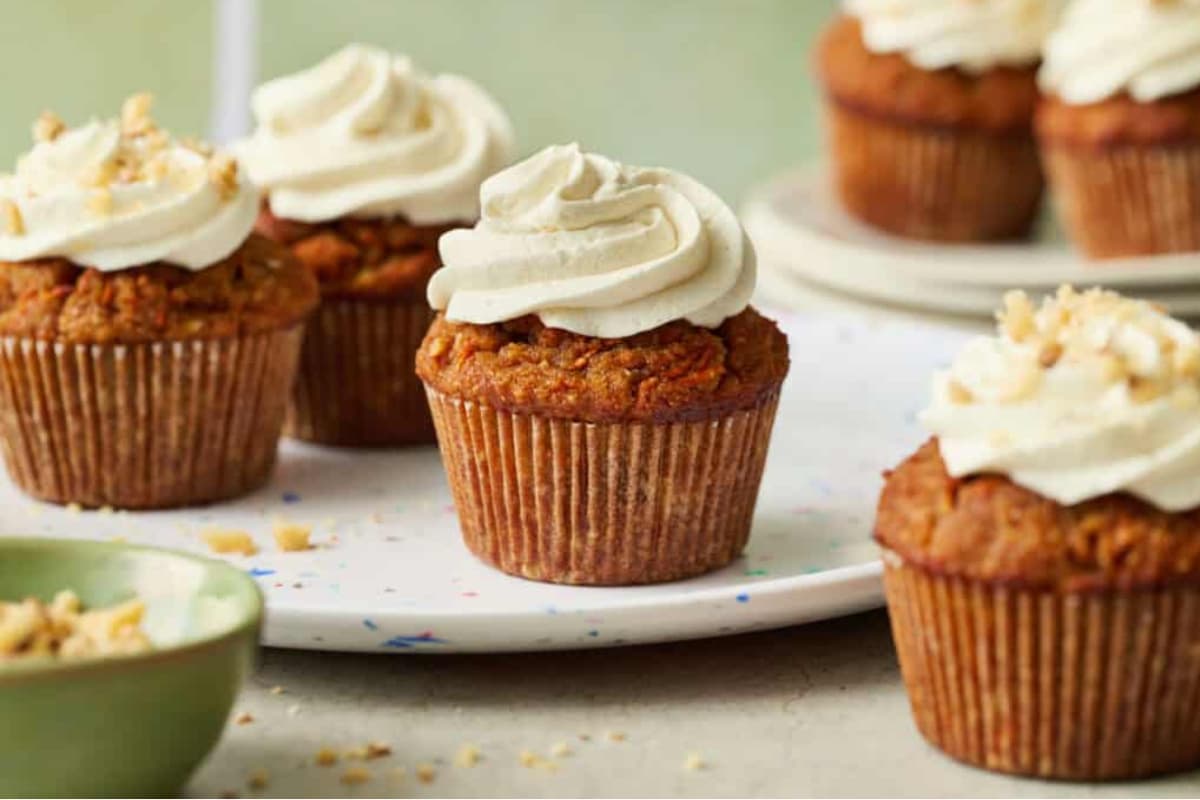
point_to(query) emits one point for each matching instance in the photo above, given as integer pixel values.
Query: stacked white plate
(809, 246)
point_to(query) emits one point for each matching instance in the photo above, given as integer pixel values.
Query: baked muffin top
(381, 260)
(987, 528)
(259, 287)
(676, 372)
(1000, 100)
(1120, 120)
(1065, 454)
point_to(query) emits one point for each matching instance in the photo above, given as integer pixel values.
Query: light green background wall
(719, 88)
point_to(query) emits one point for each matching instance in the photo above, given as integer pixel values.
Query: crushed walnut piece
(10, 218)
(426, 773)
(355, 776)
(223, 173)
(48, 127)
(135, 114)
(229, 541)
(1128, 341)
(63, 629)
(326, 757)
(100, 202)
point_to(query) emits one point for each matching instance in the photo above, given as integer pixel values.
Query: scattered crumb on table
(468, 756)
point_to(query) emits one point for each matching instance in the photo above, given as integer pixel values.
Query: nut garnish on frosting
(366, 133)
(1089, 394)
(121, 193)
(597, 248)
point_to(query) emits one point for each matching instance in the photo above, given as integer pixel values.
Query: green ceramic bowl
(128, 726)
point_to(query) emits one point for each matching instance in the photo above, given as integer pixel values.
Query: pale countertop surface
(813, 710)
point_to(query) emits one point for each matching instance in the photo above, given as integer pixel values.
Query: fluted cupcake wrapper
(358, 384)
(607, 504)
(146, 425)
(1081, 686)
(937, 183)
(1128, 200)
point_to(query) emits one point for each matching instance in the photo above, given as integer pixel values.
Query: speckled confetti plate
(389, 573)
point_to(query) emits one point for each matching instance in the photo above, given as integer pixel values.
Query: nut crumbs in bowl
(64, 629)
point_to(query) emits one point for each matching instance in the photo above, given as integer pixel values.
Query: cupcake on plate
(602, 392)
(1120, 125)
(147, 336)
(366, 161)
(929, 108)
(1042, 551)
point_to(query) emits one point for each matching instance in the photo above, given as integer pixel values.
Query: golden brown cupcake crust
(998, 101)
(988, 528)
(258, 288)
(1121, 120)
(378, 260)
(676, 372)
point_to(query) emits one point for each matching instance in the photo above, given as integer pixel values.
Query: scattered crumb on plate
(291, 537)
(229, 541)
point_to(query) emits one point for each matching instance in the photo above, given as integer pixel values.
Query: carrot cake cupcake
(1120, 125)
(366, 161)
(1042, 551)
(930, 108)
(146, 335)
(602, 392)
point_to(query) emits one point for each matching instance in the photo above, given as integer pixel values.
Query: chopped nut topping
(135, 114)
(196, 146)
(290, 537)
(48, 127)
(959, 394)
(1143, 391)
(1049, 355)
(1017, 318)
(244, 718)
(326, 757)
(693, 763)
(560, 750)
(223, 173)
(100, 202)
(224, 541)
(426, 773)
(616, 736)
(10, 216)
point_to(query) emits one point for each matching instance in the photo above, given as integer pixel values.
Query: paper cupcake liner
(1081, 686)
(358, 384)
(146, 425)
(935, 183)
(606, 504)
(1130, 200)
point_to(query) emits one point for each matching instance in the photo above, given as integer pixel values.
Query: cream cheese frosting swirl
(597, 248)
(118, 194)
(1148, 48)
(973, 35)
(1090, 394)
(365, 133)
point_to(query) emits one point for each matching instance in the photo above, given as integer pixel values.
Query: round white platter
(389, 573)
(799, 226)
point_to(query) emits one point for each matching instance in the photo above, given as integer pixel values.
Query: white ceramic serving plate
(389, 573)
(798, 224)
